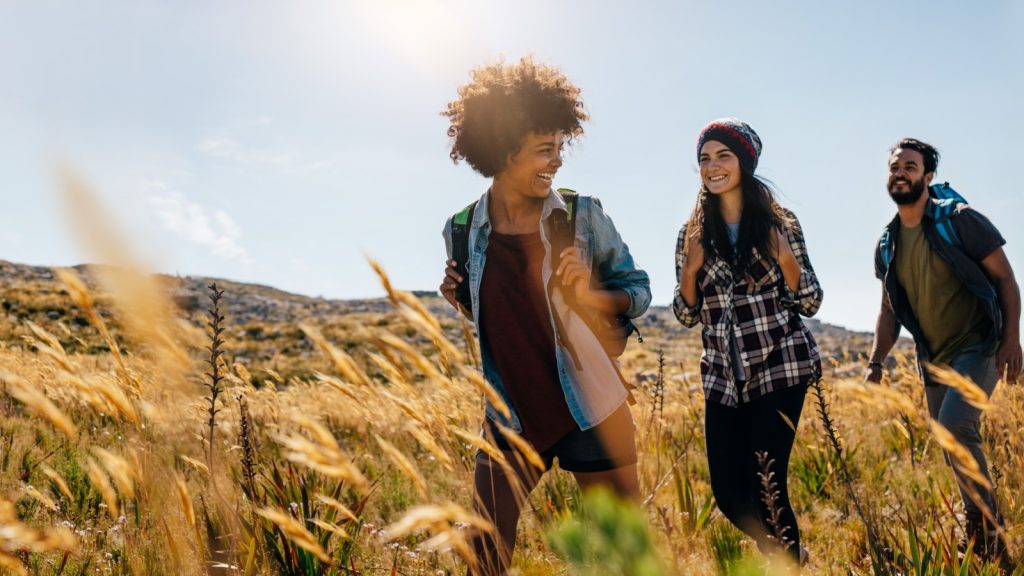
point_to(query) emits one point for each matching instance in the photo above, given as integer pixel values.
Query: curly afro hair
(502, 104)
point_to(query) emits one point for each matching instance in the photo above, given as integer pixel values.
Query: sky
(283, 143)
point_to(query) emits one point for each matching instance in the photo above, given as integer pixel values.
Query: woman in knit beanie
(744, 274)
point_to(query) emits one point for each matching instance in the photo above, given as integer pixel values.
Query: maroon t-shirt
(515, 322)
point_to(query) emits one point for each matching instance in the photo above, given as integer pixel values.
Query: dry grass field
(160, 425)
(147, 431)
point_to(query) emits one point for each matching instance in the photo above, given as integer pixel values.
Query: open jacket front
(976, 238)
(590, 381)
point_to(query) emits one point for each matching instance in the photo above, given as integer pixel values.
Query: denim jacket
(594, 390)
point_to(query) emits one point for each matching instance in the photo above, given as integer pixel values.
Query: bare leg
(499, 499)
(623, 481)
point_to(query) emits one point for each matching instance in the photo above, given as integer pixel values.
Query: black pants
(734, 436)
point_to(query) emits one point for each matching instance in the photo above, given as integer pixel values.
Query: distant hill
(24, 290)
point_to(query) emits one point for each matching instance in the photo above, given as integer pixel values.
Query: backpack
(941, 211)
(613, 332)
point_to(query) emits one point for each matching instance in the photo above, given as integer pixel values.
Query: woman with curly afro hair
(534, 299)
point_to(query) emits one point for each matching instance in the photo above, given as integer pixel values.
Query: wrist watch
(873, 364)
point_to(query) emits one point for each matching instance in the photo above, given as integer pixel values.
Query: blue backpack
(946, 201)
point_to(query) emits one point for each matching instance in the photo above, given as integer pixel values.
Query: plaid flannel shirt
(776, 348)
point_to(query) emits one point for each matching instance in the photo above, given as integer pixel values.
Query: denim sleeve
(687, 315)
(615, 266)
(807, 298)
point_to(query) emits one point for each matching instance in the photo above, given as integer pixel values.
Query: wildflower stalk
(874, 542)
(658, 410)
(770, 498)
(215, 330)
(248, 451)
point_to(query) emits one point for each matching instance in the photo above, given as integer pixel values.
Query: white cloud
(189, 219)
(226, 147)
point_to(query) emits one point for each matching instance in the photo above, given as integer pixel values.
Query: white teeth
(547, 177)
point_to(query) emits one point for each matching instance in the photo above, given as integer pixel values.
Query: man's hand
(1008, 359)
(873, 374)
(451, 282)
(574, 272)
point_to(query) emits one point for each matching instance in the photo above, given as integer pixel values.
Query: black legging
(734, 436)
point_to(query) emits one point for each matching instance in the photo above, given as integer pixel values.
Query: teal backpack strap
(941, 212)
(944, 191)
(946, 201)
(885, 247)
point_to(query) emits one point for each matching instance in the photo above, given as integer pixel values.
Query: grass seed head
(405, 466)
(970, 391)
(38, 403)
(295, 532)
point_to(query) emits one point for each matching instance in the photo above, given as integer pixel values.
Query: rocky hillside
(264, 321)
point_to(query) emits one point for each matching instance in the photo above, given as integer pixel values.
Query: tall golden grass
(365, 465)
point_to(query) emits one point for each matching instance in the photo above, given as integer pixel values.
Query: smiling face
(907, 178)
(531, 170)
(719, 168)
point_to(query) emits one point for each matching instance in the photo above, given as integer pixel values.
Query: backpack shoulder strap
(571, 198)
(461, 223)
(885, 248)
(563, 230)
(943, 191)
(944, 203)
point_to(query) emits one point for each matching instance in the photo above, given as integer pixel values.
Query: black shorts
(607, 446)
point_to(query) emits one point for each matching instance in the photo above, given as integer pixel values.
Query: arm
(788, 263)
(983, 243)
(797, 271)
(1008, 356)
(448, 287)
(625, 288)
(686, 303)
(887, 330)
(607, 301)
(451, 277)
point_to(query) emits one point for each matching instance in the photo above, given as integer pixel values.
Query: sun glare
(421, 32)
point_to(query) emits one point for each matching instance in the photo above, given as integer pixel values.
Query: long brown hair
(762, 215)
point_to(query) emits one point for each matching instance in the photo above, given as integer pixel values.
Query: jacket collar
(481, 216)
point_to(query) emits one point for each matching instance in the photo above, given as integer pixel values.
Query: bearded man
(946, 278)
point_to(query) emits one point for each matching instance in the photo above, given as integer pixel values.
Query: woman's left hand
(788, 263)
(781, 250)
(574, 272)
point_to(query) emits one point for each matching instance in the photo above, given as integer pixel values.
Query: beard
(910, 196)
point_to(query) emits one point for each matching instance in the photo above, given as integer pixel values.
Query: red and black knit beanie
(738, 136)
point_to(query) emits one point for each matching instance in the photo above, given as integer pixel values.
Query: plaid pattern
(776, 349)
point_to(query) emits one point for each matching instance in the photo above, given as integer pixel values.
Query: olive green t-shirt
(950, 315)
